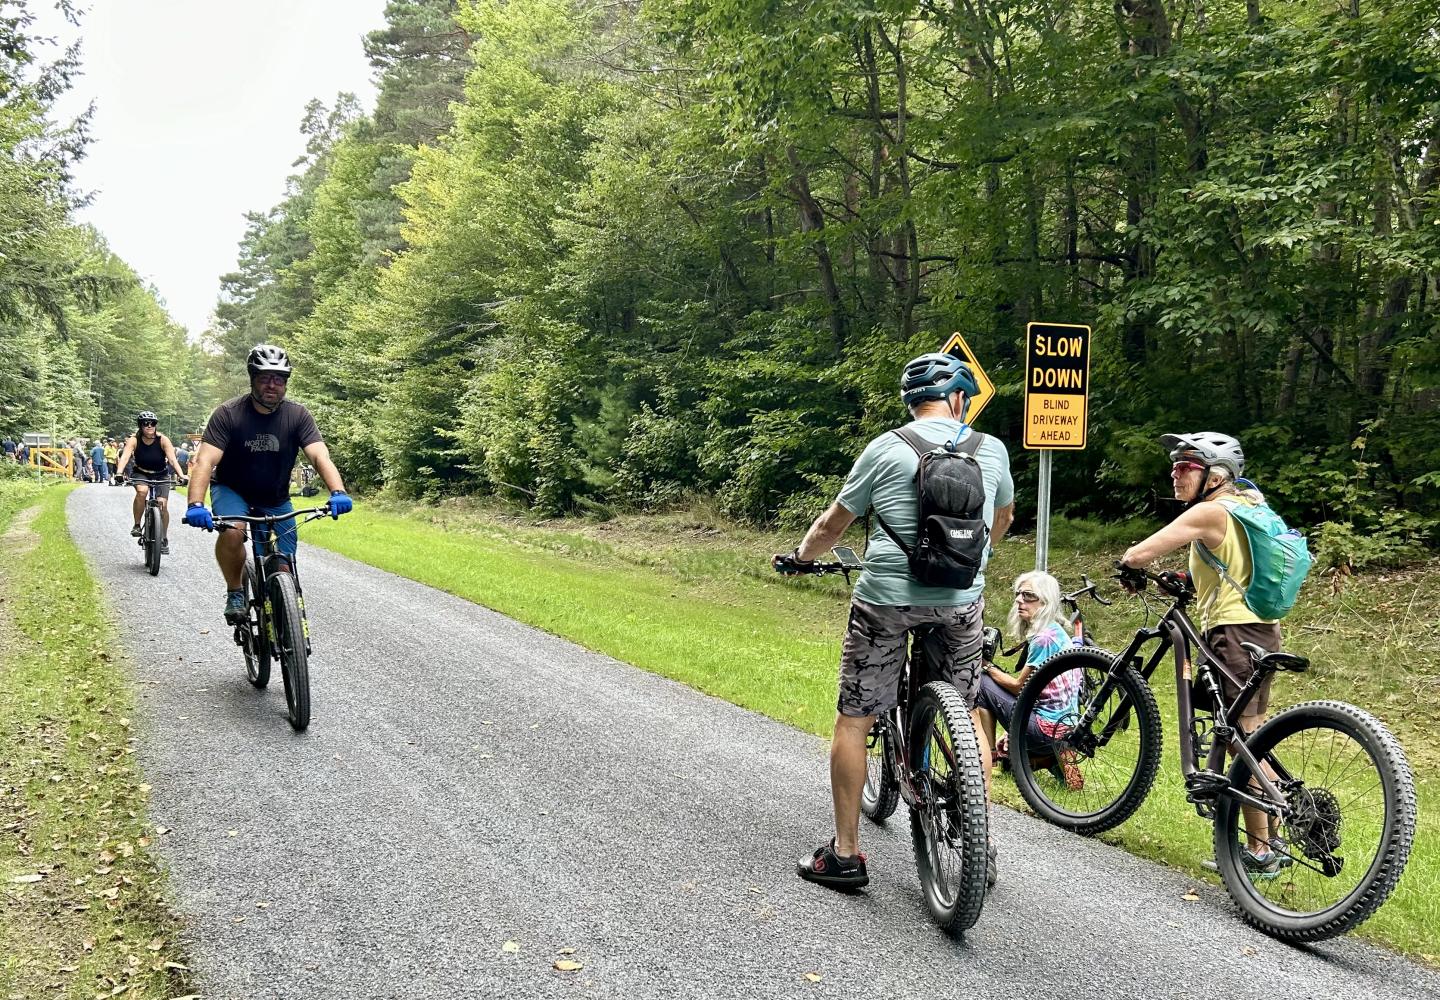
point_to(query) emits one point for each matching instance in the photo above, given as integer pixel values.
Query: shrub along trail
(477, 801)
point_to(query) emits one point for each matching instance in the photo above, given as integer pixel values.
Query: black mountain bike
(276, 625)
(1332, 775)
(925, 752)
(152, 523)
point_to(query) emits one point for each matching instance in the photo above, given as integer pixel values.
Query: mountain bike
(152, 523)
(275, 626)
(1332, 774)
(924, 751)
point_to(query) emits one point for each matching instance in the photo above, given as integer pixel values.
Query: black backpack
(950, 545)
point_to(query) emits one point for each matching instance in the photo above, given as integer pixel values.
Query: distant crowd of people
(91, 460)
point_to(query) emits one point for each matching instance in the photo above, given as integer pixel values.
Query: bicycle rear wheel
(150, 537)
(1098, 767)
(254, 633)
(949, 827)
(1346, 836)
(290, 637)
(882, 791)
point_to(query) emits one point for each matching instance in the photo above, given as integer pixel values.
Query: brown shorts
(1225, 640)
(946, 645)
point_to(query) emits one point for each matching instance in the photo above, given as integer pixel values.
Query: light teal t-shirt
(884, 478)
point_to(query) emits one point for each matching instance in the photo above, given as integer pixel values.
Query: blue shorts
(225, 502)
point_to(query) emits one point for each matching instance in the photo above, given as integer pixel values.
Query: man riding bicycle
(1204, 473)
(246, 453)
(889, 603)
(150, 456)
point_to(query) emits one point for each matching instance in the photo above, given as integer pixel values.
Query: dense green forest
(84, 343)
(589, 255)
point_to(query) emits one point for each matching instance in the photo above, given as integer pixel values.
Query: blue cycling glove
(340, 503)
(198, 516)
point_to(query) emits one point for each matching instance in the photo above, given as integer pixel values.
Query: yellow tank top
(1220, 603)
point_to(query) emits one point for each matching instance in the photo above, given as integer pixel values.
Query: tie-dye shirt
(1061, 696)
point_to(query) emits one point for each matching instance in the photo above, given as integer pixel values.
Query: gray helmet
(1214, 450)
(267, 358)
(935, 376)
(145, 415)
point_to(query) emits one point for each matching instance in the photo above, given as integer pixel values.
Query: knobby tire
(257, 638)
(1095, 811)
(882, 790)
(1397, 829)
(952, 818)
(150, 533)
(290, 637)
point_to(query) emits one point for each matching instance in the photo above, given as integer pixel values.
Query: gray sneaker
(235, 610)
(992, 868)
(165, 547)
(135, 531)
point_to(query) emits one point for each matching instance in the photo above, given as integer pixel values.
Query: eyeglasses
(1026, 597)
(1180, 468)
(277, 379)
(149, 423)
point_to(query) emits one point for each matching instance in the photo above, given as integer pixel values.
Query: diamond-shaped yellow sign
(956, 345)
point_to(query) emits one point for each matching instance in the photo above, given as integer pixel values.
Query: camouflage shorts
(947, 645)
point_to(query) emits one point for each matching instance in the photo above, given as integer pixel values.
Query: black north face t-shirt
(259, 448)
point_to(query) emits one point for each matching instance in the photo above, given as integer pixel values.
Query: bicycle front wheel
(949, 826)
(290, 638)
(1095, 765)
(882, 791)
(150, 533)
(1346, 834)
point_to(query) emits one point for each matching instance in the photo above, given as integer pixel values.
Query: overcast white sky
(198, 107)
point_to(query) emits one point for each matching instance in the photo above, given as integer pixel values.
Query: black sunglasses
(149, 423)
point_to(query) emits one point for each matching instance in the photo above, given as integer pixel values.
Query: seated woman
(1036, 616)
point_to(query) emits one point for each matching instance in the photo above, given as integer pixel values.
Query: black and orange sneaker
(825, 867)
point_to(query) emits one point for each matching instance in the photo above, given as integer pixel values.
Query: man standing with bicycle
(247, 451)
(1204, 472)
(889, 604)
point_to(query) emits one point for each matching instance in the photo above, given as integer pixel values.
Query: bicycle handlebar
(233, 520)
(1170, 582)
(1086, 591)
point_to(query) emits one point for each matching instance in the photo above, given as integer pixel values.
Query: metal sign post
(1057, 407)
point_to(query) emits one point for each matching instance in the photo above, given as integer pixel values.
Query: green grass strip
(700, 606)
(82, 899)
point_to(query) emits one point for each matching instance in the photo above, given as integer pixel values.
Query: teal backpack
(1279, 560)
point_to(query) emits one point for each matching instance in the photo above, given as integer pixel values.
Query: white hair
(1047, 610)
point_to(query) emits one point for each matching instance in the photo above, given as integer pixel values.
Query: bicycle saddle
(1265, 660)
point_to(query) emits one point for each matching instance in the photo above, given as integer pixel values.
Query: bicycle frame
(1176, 633)
(911, 681)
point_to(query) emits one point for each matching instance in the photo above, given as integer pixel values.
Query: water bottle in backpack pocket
(953, 537)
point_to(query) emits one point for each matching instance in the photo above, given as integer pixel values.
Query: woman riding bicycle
(1204, 472)
(1037, 616)
(150, 456)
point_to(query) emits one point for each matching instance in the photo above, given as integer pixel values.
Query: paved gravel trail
(468, 781)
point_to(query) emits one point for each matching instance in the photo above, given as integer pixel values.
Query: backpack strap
(1210, 559)
(920, 446)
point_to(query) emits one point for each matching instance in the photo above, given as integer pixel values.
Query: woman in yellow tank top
(1204, 470)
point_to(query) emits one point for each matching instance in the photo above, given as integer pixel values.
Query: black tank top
(149, 458)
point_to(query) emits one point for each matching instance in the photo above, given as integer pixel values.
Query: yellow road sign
(956, 345)
(1057, 386)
